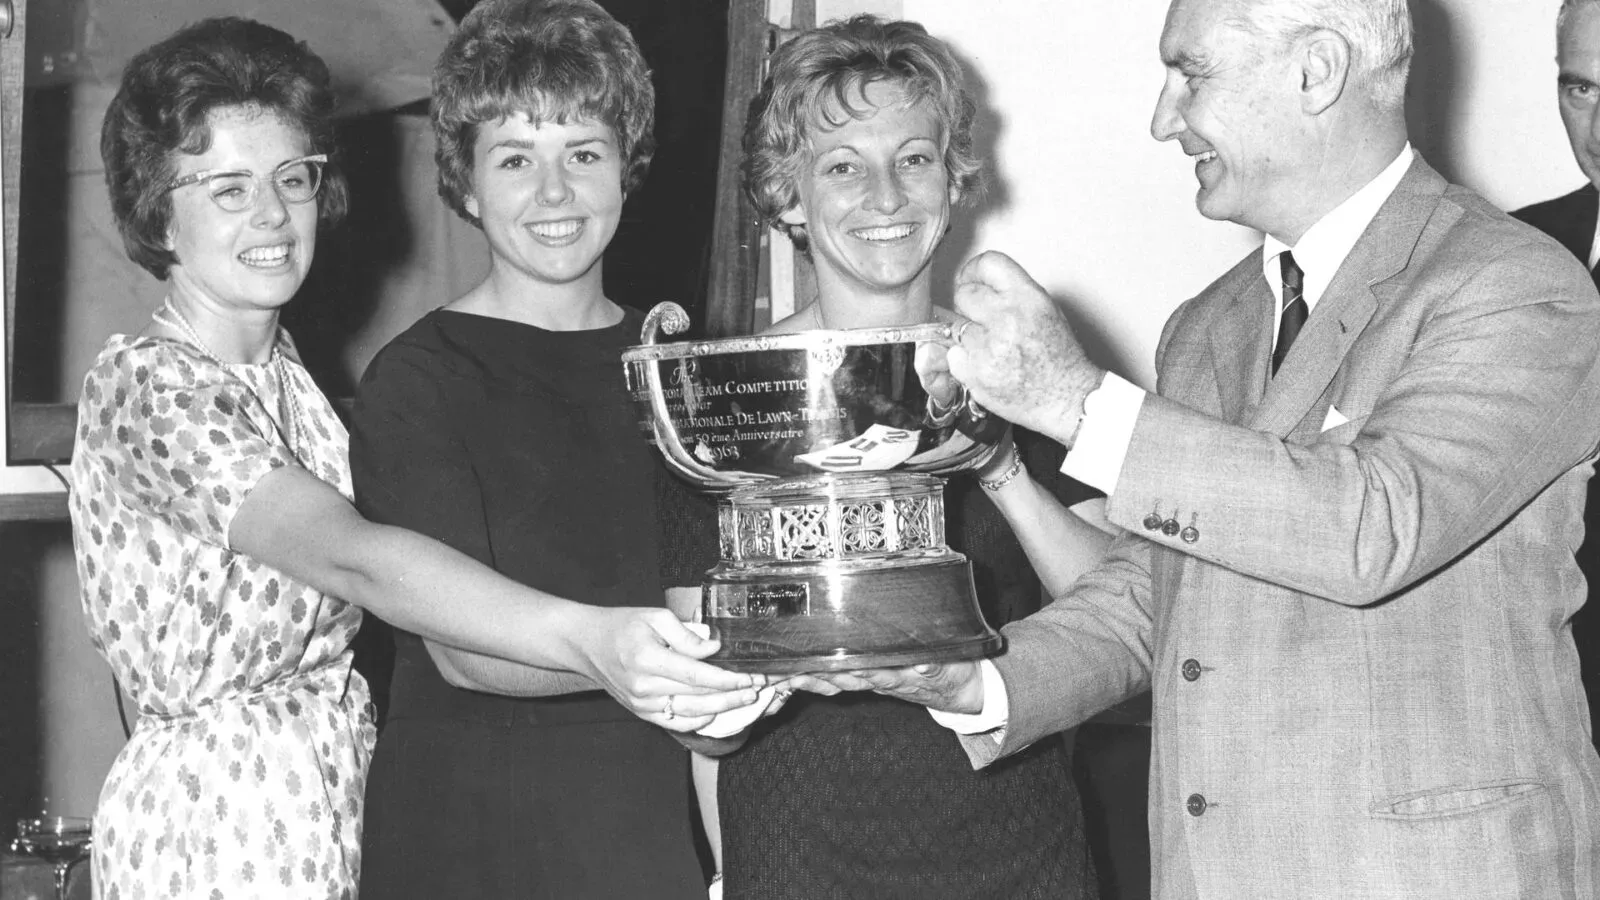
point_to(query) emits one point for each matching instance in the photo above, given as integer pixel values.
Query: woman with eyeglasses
(221, 561)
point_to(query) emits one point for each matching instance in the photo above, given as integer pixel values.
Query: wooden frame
(35, 432)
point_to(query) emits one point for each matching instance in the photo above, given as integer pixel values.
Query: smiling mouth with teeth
(265, 256)
(885, 233)
(561, 229)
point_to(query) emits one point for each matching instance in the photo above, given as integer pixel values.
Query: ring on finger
(666, 710)
(961, 329)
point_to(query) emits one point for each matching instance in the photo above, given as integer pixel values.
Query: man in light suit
(1574, 220)
(1349, 567)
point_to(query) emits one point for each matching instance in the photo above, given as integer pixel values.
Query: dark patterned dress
(520, 447)
(244, 776)
(863, 796)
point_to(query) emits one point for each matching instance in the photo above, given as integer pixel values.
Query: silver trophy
(828, 452)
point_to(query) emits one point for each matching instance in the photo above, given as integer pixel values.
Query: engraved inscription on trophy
(769, 601)
(742, 410)
(764, 601)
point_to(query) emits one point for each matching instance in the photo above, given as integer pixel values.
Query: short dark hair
(553, 60)
(813, 77)
(162, 106)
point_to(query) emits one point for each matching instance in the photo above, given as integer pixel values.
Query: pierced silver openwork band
(877, 518)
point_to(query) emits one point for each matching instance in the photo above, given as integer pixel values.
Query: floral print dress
(245, 775)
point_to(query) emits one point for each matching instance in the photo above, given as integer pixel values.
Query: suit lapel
(1588, 213)
(1577, 230)
(1349, 302)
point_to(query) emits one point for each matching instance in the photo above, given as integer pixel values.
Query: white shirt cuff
(994, 714)
(1109, 415)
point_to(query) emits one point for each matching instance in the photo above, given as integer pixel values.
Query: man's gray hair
(1379, 32)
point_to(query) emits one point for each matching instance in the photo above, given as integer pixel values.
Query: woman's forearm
(476, 672)
(1059, 543)
(642, 656)
(297, 523)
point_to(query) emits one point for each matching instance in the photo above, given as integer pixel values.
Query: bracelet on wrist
(1004, 478)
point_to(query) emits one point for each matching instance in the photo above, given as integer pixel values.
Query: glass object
(60, 841)
(296, 181)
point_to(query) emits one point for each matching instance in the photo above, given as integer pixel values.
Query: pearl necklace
(169, 316)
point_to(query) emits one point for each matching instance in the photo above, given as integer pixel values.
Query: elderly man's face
(1578, 58)
(1232, 106)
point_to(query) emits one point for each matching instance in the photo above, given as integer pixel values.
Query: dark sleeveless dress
(863, 796)
(519, 447)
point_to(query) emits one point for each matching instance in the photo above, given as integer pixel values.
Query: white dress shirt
(1111, 411)
(1594, 245)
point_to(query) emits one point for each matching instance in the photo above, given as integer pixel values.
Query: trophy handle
(965, 411)
(665, 316)
(936, 417)
(671, 318)
(967, 417)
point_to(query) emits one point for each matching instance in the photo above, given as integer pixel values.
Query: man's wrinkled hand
(1019, 356)
(948, 687)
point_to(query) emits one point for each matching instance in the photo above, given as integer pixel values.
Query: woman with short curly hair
(859, 146)
(501, 424)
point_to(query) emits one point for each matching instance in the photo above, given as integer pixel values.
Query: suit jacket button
(1191, 670)
(1169, 527)
(1152, 522)
(1190, 535)
(1196, 805)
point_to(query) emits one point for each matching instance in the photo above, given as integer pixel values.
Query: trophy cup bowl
(826, 452)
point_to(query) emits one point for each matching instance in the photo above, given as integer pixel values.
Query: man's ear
(794, 215)
(1324, 58)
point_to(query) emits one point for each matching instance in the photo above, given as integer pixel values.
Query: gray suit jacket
(1364, 680)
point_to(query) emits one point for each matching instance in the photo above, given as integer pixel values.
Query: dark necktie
(1294, 308)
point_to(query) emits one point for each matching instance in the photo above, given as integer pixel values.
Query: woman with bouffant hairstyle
(168, 93)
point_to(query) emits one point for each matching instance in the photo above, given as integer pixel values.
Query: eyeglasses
(295, 181)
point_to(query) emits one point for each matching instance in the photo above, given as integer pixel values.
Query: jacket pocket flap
(1454, 800)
